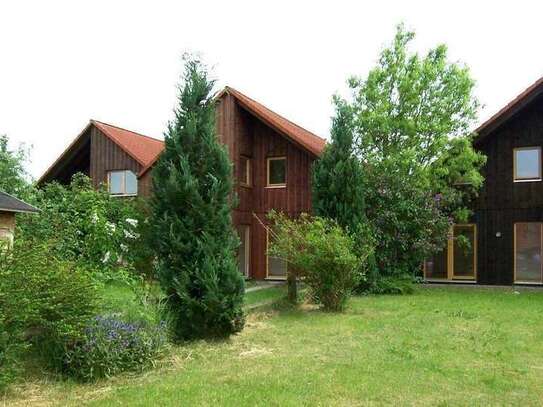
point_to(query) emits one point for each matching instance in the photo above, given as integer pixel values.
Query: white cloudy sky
(64, 62)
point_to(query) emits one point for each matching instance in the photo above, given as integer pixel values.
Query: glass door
(464, 252)
(244, 251)
(458, 260)
(527, 253)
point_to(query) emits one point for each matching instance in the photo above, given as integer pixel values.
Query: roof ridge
(509, 105)
(288, 120)
(125, 129)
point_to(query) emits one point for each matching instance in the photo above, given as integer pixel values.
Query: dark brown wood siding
(245, 135)
(502, 202)
(108, 156)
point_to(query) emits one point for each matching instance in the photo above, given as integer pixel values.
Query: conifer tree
(338, 177)
(194, 240)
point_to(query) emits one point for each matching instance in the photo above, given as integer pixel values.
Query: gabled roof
(143, 149)
(296, 134)
(509, 110)
(309, 141)
(9, 203)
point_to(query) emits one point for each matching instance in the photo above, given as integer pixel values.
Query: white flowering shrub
(88, 226)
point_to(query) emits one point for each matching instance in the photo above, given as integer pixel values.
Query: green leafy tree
(194, 238)
(14, 178)
(411, 118)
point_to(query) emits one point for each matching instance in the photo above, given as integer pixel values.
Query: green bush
(89, 227)
(111, 345)
(44, 301)
(322, 254)
(397, 285)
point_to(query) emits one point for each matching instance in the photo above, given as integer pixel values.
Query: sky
(65, 62)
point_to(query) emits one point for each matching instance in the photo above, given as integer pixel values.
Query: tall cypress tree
(338, 176)
(194, 240)
(338, 190)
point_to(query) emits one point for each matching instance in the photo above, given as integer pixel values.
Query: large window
(122, 183)
(527, 164)
(528, 252)
(244, 250)
(277, 171)
(245, 171)
(458, 259)
(276, 268)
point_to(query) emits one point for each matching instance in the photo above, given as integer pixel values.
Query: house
(9, 206)
(271, 159)
(506, 232)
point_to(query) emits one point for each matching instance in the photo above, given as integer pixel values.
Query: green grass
(437, 347)
(264, 296)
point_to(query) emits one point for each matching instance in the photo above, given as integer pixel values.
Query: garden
(435, 347)
(115, 301)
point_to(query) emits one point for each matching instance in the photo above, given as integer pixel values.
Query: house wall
(107, 156)
(503, 202)
(7, 226)
(245, 135)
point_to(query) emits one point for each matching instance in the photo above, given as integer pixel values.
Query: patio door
(458, 260)
(528, 253)
(244, 251)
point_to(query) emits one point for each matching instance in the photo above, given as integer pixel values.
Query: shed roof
(9, 203)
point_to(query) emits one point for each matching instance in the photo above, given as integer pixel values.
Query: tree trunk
(292, 287)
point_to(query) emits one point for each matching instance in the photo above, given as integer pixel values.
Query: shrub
(398, 285)
(89, 227)
(11, 348)
(322, 254)
(43, 301)
(111, 345)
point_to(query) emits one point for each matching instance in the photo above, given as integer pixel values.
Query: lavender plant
(111, 345)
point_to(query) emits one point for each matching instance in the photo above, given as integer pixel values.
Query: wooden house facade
(507, 228)
(271, 159)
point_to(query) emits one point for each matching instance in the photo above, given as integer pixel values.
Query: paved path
(263, 285)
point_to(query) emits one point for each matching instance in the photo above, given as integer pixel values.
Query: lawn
(440, 346)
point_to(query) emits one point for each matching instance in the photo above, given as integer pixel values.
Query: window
(245, 171)
(122, 183)
(458, 259)
(277, 172)
(244, 251)
(276, 268)
(527, 164)
(528, 252)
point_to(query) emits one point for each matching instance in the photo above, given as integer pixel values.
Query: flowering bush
(111, 345)
(88, 227)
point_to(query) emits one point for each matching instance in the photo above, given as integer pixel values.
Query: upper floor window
(277, 171)
(527, 164)
(122, 183)
(245, 171)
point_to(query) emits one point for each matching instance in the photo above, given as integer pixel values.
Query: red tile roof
(307, 140)
(311, 142)
(141, 148)
(510, 109)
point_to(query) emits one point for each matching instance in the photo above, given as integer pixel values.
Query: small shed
(9, 206)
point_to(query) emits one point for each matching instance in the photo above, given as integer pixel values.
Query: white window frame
(123, 183)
